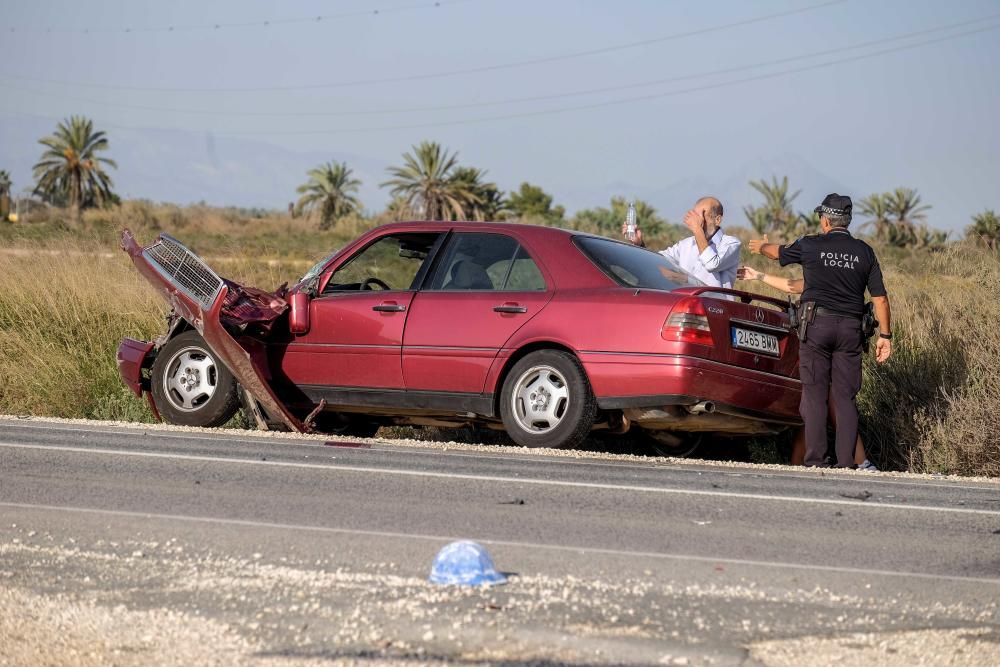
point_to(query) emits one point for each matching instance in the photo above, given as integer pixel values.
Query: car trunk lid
(737, 328)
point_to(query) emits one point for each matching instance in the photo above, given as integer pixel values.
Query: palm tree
(876, 208)
(329, 192)
(426, 182)
(396, 210)
(985, 228)
(776, 214)
(931, 239)
(485, 201)
(904, 205)
(5, 184)
(807, 223)
(646, 217)
(70, 169)
(897, 216)
(608, 221)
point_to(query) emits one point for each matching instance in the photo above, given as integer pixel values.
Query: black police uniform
(837, 268)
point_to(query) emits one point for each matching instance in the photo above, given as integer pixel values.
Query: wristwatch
(887, 336)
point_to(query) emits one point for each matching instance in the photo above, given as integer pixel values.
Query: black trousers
(830, 365)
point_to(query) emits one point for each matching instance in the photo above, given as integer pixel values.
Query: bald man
(709, 255)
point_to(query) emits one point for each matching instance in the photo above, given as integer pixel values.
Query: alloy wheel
(191, 379)
(540, 399)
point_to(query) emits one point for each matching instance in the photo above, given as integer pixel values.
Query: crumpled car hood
(248, 305)
(215, 307)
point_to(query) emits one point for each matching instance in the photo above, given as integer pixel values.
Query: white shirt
(715, 266)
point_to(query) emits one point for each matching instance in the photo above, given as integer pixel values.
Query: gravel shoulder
(138, 597)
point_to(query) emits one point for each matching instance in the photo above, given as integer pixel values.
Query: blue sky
(923, 117)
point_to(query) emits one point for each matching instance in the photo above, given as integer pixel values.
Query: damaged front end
(229, 317)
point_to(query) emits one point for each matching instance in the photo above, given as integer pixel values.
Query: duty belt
(829, 312)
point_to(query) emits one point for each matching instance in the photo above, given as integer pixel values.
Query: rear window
(632, 266)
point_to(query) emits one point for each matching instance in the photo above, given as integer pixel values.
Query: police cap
(834, 204)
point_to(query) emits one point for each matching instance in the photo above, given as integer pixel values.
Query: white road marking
(505, 543)
(388, 445)
(332, 467)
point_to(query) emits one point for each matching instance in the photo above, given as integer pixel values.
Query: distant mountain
(731, 186)
(186, 167)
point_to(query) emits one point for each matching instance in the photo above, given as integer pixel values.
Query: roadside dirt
(67, 600)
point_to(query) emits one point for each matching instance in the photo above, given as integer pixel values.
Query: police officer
(837, 269)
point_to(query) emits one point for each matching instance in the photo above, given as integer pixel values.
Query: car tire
(190, 386)
(334, 423)
(677, 445)
(546, 401)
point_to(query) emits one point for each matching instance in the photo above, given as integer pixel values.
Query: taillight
(688, 323)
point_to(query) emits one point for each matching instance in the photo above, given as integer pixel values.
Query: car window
(485, 261)
(392, 262)
(524, 274)
(632, 266)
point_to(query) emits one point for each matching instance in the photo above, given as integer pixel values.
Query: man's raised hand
(694, 221)
(756, 244)
(638, 234)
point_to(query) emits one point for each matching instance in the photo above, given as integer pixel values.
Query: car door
(357, 321)
(484, 288)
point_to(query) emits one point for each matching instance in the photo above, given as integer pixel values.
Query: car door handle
(509, 308)
(389, 307)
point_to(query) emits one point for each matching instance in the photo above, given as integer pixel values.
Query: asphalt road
(293, 550)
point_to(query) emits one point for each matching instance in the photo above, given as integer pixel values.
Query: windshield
(317, 268)
(632, 266)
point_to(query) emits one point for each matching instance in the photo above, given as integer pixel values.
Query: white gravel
(55, 630)
(962, 647)
(144, 600)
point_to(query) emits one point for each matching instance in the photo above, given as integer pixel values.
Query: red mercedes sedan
(544, 332)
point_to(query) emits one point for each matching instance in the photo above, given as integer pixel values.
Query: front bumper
(133, 358)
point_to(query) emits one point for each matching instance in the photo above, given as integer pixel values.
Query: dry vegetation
(933, 406)
(67, 296)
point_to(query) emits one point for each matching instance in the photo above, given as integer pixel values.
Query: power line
(584, 107)
(641, 98)
(244, 24)
(537, 98)
(448, 73)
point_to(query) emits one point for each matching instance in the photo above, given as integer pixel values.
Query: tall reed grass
(61, 317)
(64, 307)
(67, 296)
(935, 405)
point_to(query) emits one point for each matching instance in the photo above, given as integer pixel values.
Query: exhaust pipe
(703, 408)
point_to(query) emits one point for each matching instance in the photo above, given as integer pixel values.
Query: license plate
(756, 341)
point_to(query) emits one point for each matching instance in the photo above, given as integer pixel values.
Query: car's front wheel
(355, 426)
(547, 401)
(190, 386)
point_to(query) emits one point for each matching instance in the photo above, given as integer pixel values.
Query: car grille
(183, 268)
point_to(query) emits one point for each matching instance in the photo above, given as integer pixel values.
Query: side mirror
(298, 314)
